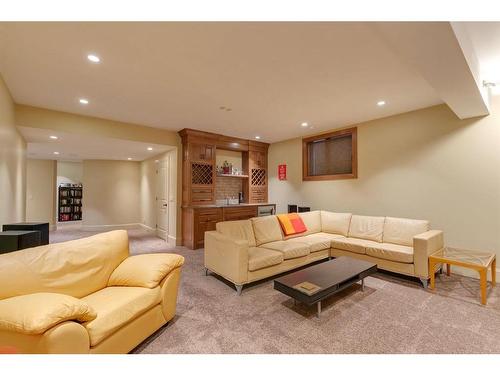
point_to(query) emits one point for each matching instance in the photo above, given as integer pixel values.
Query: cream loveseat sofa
(85, 296)
(250, 250)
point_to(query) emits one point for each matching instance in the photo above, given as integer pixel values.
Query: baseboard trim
(147, 227)
(172, 240)
(93, 228)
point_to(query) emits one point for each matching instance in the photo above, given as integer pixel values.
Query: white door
(162, 184)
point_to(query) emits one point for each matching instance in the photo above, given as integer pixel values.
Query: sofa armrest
(425, 244)
(34, 314)
(146, 270)
(227, 257)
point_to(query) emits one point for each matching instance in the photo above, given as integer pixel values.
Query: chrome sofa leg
(206, 271)
(424, 282)
(239, 288)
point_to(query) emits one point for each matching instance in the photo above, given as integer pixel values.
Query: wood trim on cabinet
(340, 133)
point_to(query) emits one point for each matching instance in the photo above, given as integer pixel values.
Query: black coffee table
(324, 279)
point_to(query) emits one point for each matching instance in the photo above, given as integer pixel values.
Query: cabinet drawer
(209, 214)
(239, 213)
(201, 195)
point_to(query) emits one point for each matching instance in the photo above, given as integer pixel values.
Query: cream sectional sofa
(249, 250)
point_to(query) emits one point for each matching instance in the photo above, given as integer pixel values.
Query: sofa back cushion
(266, 229)
(238, 229)
(367, 227)
(312, 220)
(76, 268)
(335, 223)
(401, 231)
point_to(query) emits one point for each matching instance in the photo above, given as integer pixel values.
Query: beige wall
(111, 193)
(424, 164)
(12, 162)
(69, 172)
(72, 123)
(233, 157)
(41, 191)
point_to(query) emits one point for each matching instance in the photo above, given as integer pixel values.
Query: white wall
(12, 163)
(425, 164)
(111, 193)
(40, 191)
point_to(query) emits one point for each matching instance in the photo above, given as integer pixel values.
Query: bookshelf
(70, 203)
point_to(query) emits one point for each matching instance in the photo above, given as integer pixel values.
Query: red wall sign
(282, 171)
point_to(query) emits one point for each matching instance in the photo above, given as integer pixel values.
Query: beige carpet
(392, 315)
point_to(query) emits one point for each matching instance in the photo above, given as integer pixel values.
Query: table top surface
(327, 274)
(17, 232)
(472, 257)
(27, 223)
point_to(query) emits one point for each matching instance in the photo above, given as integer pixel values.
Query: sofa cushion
(390, 251)
(336, 223)
(238, 229)
(33, 314)
(117, 306)
(367, 227)
(146, 270)
(401, 231)
(76, 268)
(266, 229)
(354, 245)
(289, 248)
(317, 241)
(259, 257)
(312, 220)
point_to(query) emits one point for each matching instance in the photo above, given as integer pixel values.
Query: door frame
(170, 160)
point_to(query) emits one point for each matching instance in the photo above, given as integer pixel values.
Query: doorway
(166, 197)
(162, 185)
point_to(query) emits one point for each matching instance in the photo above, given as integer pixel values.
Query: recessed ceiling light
(129, 158)
(157, 161)
(53, 137)
(84, 101)
(304, 124)
(94, 58)
(56, 152)
(381, 103)
(257, 137)
(150, 148)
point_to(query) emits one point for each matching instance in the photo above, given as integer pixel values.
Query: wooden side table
(476, 260)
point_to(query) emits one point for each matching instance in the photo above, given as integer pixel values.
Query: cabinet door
(205, 220)
(258, 159)
(201, 152)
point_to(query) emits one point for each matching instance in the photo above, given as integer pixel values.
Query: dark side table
(13, 240)
(43, 228)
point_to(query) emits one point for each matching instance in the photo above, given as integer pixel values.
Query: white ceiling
(273, 76)
(75, 147)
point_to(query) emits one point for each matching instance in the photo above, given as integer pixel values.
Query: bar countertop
(229, 205)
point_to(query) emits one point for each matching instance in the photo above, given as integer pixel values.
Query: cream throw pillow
(33, 314)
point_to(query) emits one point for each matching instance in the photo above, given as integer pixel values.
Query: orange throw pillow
(291, 224)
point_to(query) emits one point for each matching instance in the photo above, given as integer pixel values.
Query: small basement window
(330, 156)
